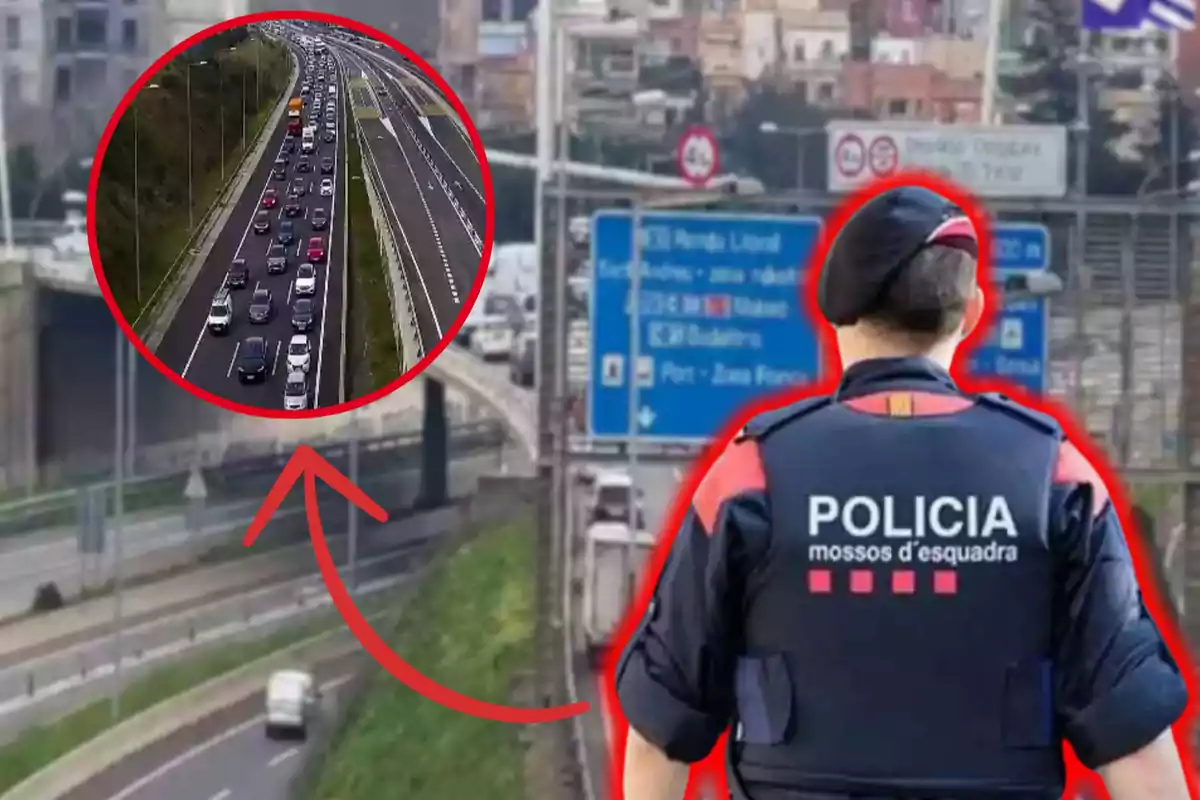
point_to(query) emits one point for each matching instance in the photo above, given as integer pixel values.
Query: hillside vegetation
(233, 60)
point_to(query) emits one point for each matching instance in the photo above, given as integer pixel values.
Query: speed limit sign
(697, 156)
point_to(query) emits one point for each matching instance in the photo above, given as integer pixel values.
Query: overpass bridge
(58, 370)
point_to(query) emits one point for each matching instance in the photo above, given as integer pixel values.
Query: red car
(316, 249)
(270, 198)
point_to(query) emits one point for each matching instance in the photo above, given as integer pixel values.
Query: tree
(1047, 92)
(24, 175)
(797, 148)
(1177, 136)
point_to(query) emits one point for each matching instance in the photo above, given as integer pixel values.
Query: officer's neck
(863, 342)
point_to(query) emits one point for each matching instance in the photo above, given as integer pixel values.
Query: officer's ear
(973, 312)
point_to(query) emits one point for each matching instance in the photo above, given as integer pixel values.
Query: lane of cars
(283, 348)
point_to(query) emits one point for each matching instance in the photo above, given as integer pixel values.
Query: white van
(605, 582)
(332, 90)
(292, 698)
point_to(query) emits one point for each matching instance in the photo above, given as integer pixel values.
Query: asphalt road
(209, 360)
(438, 257)
(227, 756)
(449, 147)
(234, 616)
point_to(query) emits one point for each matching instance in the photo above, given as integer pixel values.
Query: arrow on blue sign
(719, 322)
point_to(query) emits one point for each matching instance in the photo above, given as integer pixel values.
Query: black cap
(878, 242)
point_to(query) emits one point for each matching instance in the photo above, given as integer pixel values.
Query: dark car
(276, 259)
(262, 307)
(304, 165)
(238, 275)
(303, 315)
(289, 145)
(330, 135)
(326, 166)
(253, 359)
(299, 187)
(293, 209)
(319, 219)
(262, 222)
(279, 169)
(287, 232)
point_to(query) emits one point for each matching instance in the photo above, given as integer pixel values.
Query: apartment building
(185, 18)
(24, 53)
(910, 92)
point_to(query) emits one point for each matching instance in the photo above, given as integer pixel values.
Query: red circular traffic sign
(884, 156)
(697, 156)
(850, 156)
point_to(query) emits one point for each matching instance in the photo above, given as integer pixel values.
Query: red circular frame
(488, 199)
(697, 132)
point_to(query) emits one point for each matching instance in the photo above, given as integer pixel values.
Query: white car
(295, 392)
(299, 354)
(492, 341)
(306, 280)
(292, 702)
(326, 187)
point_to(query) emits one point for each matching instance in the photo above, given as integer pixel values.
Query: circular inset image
(290, 214)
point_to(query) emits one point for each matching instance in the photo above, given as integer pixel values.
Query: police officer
(901, 590)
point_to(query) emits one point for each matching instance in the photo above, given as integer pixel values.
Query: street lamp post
(137, 230)
(801, 135)
(191, 196)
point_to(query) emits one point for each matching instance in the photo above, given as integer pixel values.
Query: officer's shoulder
(763, 425)
(1004, 404)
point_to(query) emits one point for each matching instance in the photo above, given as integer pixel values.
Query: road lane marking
(284, 756)
(186, 756)
(275, 363)
(221, 795)
(396, 215)
(289, 292)
(204, 747)
(337, 153)
(233, 360)
(237, 253)
(384, 67)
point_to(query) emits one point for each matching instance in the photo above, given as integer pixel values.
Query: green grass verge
(376, 358)
(471, 628)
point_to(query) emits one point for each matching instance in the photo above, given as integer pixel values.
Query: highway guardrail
(229, 479)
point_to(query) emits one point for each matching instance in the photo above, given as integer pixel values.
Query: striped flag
(1124, 15)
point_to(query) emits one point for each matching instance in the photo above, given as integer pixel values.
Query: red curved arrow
(309, 463)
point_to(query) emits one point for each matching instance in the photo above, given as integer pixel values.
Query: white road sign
(697, 155)
(992, 161)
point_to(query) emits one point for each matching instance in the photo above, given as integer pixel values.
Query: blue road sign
(719, 321)
(1018, 348)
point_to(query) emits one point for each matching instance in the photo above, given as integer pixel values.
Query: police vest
(897, 642)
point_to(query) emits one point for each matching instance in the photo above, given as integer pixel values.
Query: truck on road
(604, 588)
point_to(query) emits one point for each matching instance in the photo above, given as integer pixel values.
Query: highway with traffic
(291, 214)
(435, 214)
(450, 147)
